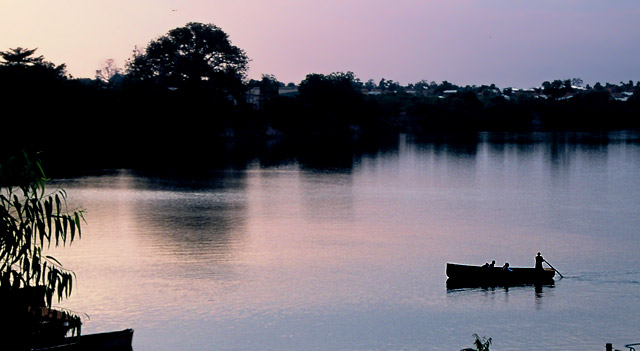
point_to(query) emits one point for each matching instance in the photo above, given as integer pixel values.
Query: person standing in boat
(539, 260)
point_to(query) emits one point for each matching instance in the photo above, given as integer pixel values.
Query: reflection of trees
(196, 215)
(337, 155)
(561, 147)
(460, 145)
(200, 224)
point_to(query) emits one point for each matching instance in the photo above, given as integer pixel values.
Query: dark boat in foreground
(479, 275)
(111, 341)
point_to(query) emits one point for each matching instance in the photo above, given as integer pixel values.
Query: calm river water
(289, 257)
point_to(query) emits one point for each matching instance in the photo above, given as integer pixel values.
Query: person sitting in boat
(493, 264)
(506, 267)
(539, 261)
(485, 265)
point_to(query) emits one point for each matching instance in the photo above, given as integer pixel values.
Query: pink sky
(506, 42)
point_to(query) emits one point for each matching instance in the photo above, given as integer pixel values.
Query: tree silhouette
(196, 56)
(20, 58)
(107, 71)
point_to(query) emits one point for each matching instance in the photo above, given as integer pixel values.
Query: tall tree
(21, 57)
(269, 86)
(108, 70)
(194, 56)
(18, 59)
(32, 90)
(333, 101)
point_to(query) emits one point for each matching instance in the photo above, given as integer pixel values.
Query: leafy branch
(480, 343)
(32, 220)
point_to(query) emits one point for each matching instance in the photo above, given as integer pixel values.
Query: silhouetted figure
(493, 264)
(485, 265)
(539, 260)
(506, 267)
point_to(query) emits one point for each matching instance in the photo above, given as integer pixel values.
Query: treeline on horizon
(187, 94)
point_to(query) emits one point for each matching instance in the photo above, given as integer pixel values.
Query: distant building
(623, 96)
(374, 92)
(254, 95)
(288, 91)
(517, 91)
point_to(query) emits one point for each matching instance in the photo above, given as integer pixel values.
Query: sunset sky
(518, 43)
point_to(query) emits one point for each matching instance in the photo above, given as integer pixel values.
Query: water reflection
(327, 197)
(308, 244)
(521, 292)
(460, 145)
(455, 286)
(200, 216)
(336, 155)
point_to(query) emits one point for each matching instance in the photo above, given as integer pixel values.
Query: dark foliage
(171, 110)
(196, 57)
(32, 220)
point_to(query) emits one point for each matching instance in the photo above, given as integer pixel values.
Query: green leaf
(26, 267)
(48, 210)
(65, 223)
(78, 215)
(54, 260)
(58, 204)
(44, 273)
(72, 228)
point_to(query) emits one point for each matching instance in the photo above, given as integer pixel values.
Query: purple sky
(506, 42)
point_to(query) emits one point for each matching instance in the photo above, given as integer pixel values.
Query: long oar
(561, 276)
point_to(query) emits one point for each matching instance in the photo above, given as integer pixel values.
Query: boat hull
(466, 274)
(111, 341)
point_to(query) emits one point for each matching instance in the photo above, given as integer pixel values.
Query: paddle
(561, 276)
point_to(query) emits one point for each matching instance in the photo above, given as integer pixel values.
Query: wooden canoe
(121, 340)
(496, 275)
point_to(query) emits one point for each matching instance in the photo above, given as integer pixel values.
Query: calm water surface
(295, 258)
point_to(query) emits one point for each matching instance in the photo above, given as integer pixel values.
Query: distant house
(289, 91)
(517, 91)
(447, 92)
(623, 96)
(254, 97)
